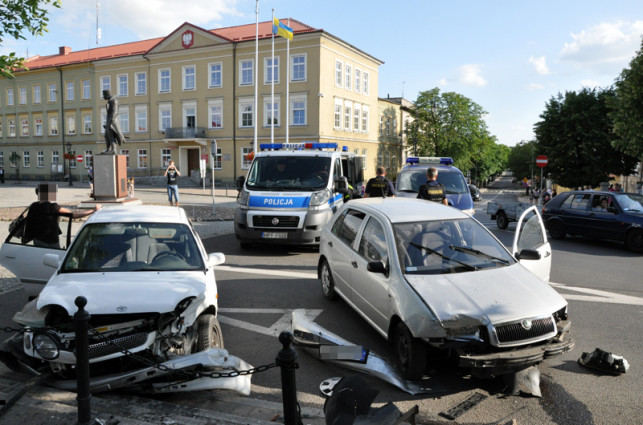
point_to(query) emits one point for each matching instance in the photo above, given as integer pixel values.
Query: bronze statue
(113, 133)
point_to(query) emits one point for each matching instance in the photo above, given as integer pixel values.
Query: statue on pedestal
(113, 133)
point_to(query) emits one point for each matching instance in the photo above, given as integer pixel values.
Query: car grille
(513, 332)
(105, 348)
(282, 221)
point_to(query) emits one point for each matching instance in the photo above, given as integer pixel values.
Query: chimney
(64, 50)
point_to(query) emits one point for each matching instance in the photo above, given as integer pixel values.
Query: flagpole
(254, 147)
(288, 85)
(272, 85)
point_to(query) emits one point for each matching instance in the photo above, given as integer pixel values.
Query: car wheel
(410, 353)
(501, 220)
(327, 282)
(634, 241)
(556, 229)
(208, 333)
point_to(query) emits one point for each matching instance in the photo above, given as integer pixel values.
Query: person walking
(432, 190)
(379, 185)
(172, 175)
(2, 175)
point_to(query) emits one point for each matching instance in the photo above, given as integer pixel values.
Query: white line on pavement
(597, 296)
(271, 272)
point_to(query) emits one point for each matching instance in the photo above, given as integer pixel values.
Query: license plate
(274, 235)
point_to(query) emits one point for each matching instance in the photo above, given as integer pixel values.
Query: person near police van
(432, 190)
(172, 175)
(379, 185)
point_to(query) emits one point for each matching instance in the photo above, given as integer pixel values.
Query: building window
(245, 158)
(1, 159)
(103, 121)
(347, 118)
(348, 74)
(122, 85)
(71, 125)
(218, 157)
(164, 80)
(24, 127)
(165, 117)
(142, 158)
(215, 111)
(12, 128)
(125, 153)
(141, 83)
(13, 159)
(298, 109)
(338, 114)
(37, 126)
(23, 95)
(87, 123)
(246, 112)
(53, 126)
(246, 73)
(40, 157)
(105, 83)
(70, 91)
(55, 157)
(36, 94)
(26, 160)
(89, 159)
(141, 118)
(51, 89)
(0, 126)
(189, 77)
(365, 119)
(216, 77)
(298, 70)
(10, 100)
(357, 114)
(123, 115)
(271, 70)
(189, 115)
(271, 112)
(87, 89)
(363, 156)
(358, 75)
(365, 82)
(72, 163)
(338, 74)
(166, 156)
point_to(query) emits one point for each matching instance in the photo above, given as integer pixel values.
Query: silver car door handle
(9, 257)
(547, 253)
(330, 244)
(354, 264)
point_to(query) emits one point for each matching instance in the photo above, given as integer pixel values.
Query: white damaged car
(152, 296)
(437, 284)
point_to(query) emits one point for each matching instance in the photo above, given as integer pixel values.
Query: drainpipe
(149, 111)
(62, 119)
(234, 111)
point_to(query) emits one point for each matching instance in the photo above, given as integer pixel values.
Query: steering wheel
(164, 254)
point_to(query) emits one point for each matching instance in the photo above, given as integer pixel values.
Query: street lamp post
(213, 152)
(70, 162)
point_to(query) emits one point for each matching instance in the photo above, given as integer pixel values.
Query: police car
(292, 190)
(413, 175)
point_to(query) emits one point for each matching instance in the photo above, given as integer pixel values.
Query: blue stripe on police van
(337, 197)
(279, 201)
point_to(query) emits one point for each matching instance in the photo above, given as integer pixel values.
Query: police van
(413, 175)
(292, 190)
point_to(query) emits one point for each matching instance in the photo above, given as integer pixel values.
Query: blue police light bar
(298, 146)
(444, 160)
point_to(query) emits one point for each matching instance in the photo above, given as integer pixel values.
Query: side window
(567, 203)
(351, 223)
(531, 235)
(580, 201)
(601, 203)
(372, 246)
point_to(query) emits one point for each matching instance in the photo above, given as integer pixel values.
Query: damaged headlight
(469, 332)
(46, 345)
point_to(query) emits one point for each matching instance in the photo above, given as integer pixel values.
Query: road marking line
(597, 296)
(282, 324)
(270, 272)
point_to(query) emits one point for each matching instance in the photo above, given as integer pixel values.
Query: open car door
(26, 260)
(530, 245)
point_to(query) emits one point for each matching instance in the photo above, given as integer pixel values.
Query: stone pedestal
(110, 177)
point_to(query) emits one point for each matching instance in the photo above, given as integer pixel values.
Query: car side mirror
(51, 260)
(377, 267)
(528, 254)
(240, 181)
(216, 258)
(341, 184)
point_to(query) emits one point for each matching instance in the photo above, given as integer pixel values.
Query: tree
(522, 159)
(18, 17)
(390, 147)
(576, 135)
(627, 112)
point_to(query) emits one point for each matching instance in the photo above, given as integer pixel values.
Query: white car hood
(488, 296)
(123, 293)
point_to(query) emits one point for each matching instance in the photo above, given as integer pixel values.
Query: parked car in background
(475, 193)
(603, 215)
(436, 283)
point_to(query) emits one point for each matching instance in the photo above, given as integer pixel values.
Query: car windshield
(411, 180)
(289, 173)
(448, 246)
(630, 202)
(117, 247)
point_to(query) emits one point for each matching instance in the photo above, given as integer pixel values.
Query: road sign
(79, 158)
(541, 161)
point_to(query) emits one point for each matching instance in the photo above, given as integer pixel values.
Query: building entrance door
(193, 161)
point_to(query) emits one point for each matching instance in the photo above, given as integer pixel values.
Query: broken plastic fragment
(605, 361)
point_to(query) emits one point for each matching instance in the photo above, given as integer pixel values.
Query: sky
(509, 57)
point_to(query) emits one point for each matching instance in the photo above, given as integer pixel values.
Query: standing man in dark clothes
(432, 190)
(379, 185)
(172, 175)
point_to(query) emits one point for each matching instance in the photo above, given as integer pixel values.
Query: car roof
(599, 192)
(404, 210)
(139, 213)
(439, 167)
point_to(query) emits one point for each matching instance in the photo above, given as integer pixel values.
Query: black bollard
(81, 327)
(287, 361)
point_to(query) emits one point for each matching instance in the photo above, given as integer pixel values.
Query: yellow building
(178, 93)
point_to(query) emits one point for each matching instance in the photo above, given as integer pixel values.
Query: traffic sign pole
(541, 161)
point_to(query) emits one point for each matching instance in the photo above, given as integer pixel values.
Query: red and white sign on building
(541, 161)
(79, 158)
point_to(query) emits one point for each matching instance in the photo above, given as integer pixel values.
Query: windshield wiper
(478, 253)
(432, 251)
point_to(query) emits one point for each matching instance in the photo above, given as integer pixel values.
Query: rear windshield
(410, 180)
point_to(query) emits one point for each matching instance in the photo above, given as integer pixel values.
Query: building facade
(178, 93)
